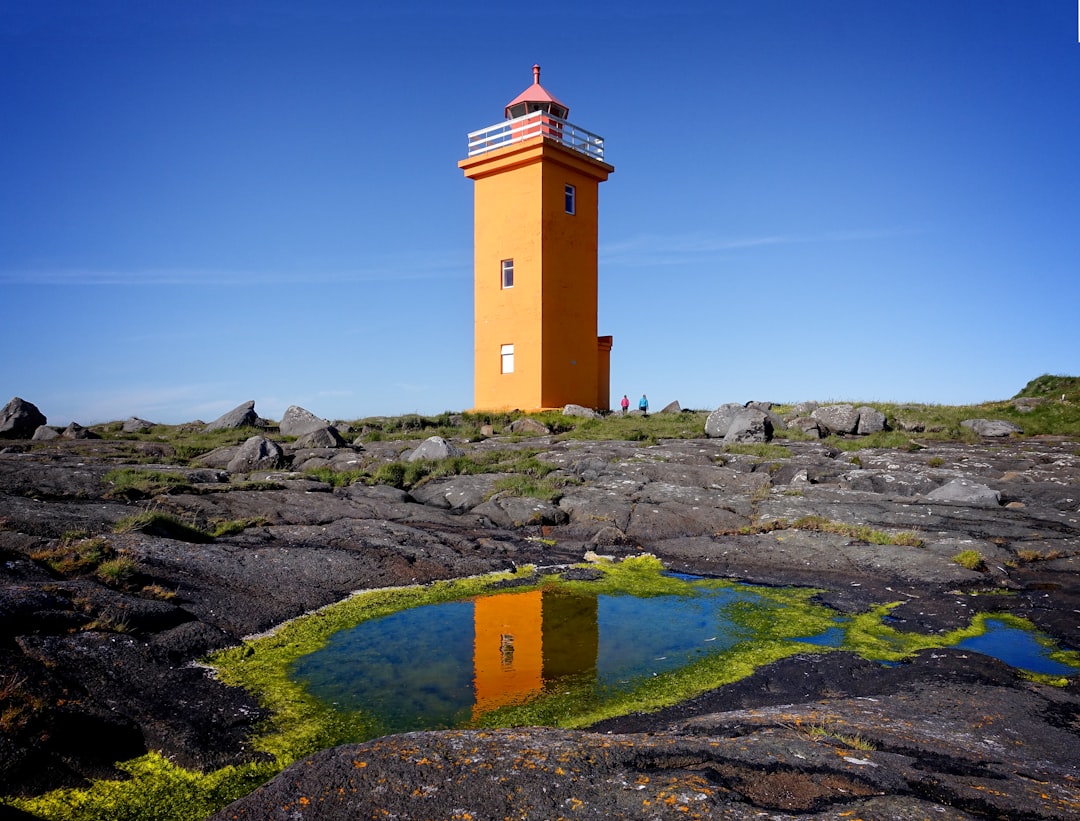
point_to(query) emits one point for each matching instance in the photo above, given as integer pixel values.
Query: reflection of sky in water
(644, 636)
(412, 668)
(1015, 647)
(1011, 645)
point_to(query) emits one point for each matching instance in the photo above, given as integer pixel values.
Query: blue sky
(207, 202)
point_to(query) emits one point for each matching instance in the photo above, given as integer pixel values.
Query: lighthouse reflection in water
(444, 665)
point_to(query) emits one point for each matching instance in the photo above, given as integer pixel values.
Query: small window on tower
(571, 200)
(508, 273)
(507, 355)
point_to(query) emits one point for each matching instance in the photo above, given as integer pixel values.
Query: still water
(444, 665)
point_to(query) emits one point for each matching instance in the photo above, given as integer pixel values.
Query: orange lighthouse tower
(537, 179)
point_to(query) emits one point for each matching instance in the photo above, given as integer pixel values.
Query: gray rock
(871, 420)
(992, 427)
(298, 421)
(456, 492)
(578, 410)
(325, 437)
(1026, 404)
(838, 419)
(44, 433)
(749, 426)
(242, 416)
(257, 453)
(802, 409)
(672, 407)
(965, 492)
(435, 447)
(519, 511)
(135, 424)
(807, 424)
(19, 419)
(527, 425)
(77, 431)
(716, 426)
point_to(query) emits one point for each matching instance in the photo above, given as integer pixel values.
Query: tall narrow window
(508, 273)
(507, 355)
(571, 199)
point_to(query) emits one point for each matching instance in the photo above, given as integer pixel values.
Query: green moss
(157, 790)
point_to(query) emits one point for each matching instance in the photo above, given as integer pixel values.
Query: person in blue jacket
(643, 404)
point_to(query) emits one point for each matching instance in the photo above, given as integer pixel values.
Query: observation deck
(536, 124)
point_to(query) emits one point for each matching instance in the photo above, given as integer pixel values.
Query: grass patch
(117, 572)
(822, 732)
(166, 525)
(971, 559)
(75, 554)
(134, 483)
(230, 527)
(819, 524)
(549, 489)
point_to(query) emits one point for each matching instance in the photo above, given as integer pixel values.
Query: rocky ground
(94, 671)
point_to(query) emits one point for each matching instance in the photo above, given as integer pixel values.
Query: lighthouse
(536, 195)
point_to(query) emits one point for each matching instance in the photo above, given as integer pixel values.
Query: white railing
(537, 124)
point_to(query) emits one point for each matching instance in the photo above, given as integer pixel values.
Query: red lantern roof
(535, 98)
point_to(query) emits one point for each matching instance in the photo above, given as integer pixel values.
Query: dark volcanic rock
(298, 421)
(951, 735)
(883, 755)
(19, 419)
(242, 416)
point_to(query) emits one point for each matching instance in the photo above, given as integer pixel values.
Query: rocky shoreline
(96, 671)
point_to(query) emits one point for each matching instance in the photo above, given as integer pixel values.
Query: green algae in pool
(444, 665)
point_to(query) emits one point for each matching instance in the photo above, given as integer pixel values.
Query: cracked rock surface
(93, 673)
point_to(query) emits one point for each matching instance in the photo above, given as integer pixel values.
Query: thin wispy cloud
(674, 249)
(452, 265)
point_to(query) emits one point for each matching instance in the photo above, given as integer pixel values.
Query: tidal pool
(563, 650)
(444, 665)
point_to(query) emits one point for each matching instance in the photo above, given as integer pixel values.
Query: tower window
(508, 273)
(571, 200)
(506, 353)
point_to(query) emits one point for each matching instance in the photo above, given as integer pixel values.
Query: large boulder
(672, 407)
(435, 447)
(135, 425)
(242, 416)
(19, 419)
(750, 426)
(257, 453)
(837, 419)
(716, 426)
(579, 410)
(322, 437)
(527, 425)
(992, 427)
(871, 420)
(298, 421)
(965, 492)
